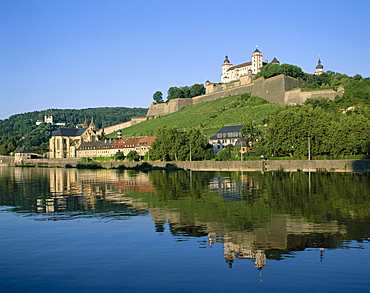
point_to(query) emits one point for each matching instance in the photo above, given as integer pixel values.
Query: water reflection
(255, 216)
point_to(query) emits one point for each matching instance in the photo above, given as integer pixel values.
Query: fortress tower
(319, 68)
(256, 61)
(225, 67)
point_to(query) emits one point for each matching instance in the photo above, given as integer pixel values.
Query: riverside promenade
(261, 165)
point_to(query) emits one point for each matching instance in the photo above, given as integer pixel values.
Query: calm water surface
(68, 230)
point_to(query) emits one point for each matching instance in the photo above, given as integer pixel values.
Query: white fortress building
(231, 72)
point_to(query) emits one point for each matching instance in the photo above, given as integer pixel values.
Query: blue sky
(80, 54)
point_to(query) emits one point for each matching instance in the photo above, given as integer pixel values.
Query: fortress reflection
(277, 232)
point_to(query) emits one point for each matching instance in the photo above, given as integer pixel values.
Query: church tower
(256, 61)
(319, 68)
(92, 124)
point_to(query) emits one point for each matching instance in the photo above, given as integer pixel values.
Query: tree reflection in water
(254, 215)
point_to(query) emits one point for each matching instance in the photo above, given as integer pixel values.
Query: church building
(65, 141)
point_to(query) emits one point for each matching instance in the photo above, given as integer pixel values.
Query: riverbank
(262, 165)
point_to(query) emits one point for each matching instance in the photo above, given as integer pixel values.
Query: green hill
(21, 130)
(209, 116)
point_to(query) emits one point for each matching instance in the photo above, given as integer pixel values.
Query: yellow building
(65, 141)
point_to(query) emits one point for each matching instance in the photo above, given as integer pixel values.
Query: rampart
(117, 127)
(279, 89)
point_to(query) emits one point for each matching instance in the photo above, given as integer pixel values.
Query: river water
(68, 230)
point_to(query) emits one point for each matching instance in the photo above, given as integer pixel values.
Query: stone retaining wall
(288, 166)
(278, 89)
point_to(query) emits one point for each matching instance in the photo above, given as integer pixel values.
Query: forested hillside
(21, 130)
(329, 128)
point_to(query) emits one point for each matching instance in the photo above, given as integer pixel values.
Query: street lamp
(190, 152)
(309, 148)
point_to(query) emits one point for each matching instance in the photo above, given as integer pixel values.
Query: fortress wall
(272, 89)
(297, 97)
(171, 106)
(114, 128)
(277, 89)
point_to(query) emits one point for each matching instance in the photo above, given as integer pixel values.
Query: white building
(49, 119)
(228, 135)
(231, 72)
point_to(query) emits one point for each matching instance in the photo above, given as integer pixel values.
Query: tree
(184, 92)
(133, 156)
(251, 133)
(349, 135)
(197, 90)
(172, 144)
(288, 131)
(173, 93)
(271, 70)
(158, 97)
(119, 156)
(226, 153)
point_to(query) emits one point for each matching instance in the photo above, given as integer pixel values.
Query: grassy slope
(209, 116)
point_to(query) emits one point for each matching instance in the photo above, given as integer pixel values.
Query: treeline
(172, 144)
(183, 92)
(314, 127)
(20, 129)
(295, 131)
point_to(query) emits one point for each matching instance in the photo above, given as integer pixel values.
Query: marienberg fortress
(240, 79)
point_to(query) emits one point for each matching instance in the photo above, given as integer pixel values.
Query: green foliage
(145, 166)
(209, 116)
(324, 103)
(173, 144)
(158, 97)
(119, 156)
(173, 93)
(87, 163)
(133, 156)
(226, 154)
(21, 128)
(357, 92)
(251, 133)
(197, 90)
(246, 100)
(185, 91)
(271, 70)
(291, 131)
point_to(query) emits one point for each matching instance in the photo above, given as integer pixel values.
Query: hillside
(213, 115)
(21, 130)
(209, 116)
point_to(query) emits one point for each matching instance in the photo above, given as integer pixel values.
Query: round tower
(319, 68)
(256, 60)
(225, 67)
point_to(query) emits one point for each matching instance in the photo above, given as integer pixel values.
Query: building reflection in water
(284, 233)
(73, 189)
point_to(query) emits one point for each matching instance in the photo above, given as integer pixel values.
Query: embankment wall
(263, 165)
